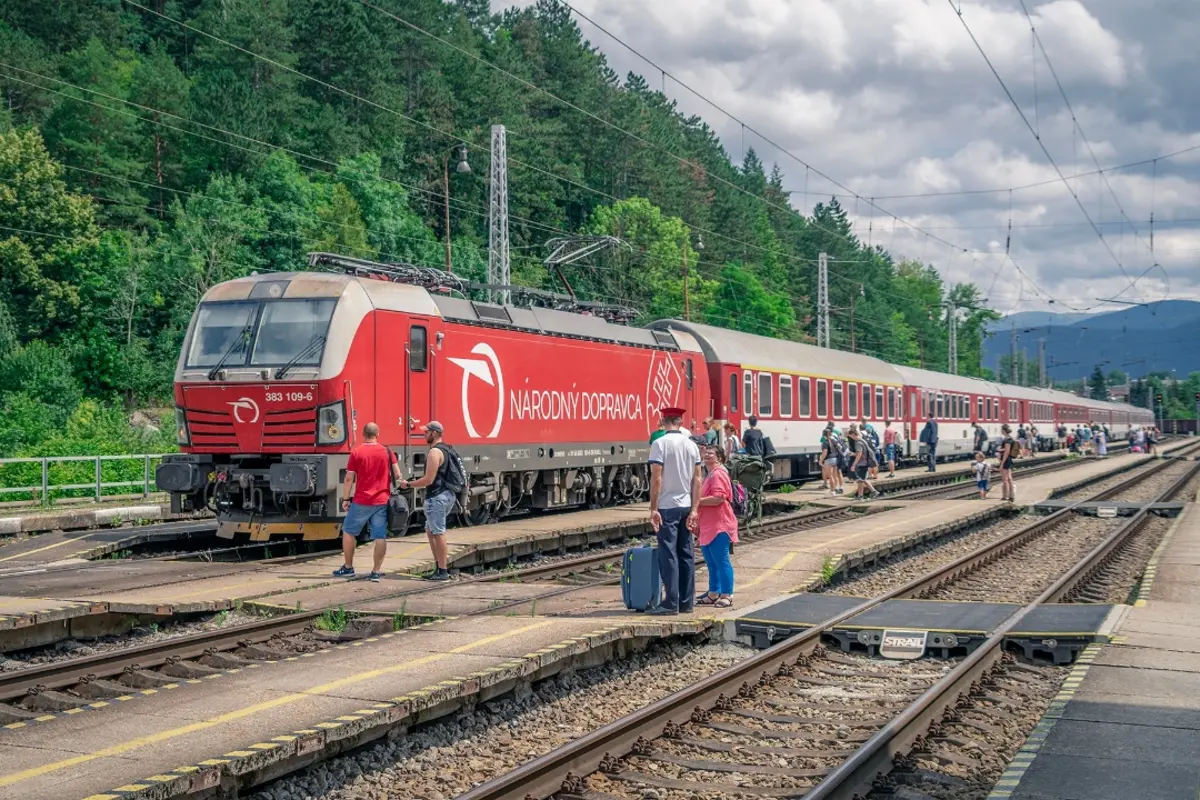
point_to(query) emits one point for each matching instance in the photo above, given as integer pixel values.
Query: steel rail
(545, 775)
(856, 776)
(61, 674)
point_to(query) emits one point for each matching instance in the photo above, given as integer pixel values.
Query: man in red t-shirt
(367, 483)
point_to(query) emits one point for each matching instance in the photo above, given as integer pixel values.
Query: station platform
(174, 741)
(158, 588)
(61, 545)
(1054, 632)
(1127, 722)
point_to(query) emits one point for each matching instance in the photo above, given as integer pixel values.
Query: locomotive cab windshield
(278, 333)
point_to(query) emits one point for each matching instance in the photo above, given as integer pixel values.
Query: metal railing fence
(41, 480)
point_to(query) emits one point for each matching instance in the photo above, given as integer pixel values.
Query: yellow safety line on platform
(28, 553)
(248, 711)
(771, 570)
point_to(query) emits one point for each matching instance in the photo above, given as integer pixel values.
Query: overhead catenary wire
(652, 145)
(1075, 121)
(1044, 149)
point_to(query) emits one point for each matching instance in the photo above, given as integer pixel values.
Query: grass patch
(828, 569)
(332, 620)
(787, 488)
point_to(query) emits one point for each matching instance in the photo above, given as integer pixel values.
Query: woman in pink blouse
(717, 530)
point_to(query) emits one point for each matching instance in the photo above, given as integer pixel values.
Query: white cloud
(891, 97)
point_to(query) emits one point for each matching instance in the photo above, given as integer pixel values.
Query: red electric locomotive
(280, 372)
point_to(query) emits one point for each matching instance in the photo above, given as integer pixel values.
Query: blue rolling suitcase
(641, 587)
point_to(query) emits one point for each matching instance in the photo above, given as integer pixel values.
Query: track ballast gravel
(894, 572)
(1020, 576)
(447, 758)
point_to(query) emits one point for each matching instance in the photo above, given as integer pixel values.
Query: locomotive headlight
(182, 436)
(331, 423)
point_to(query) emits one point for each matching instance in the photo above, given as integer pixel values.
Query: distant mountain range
(1157, 337)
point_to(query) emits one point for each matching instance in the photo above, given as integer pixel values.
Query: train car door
(419, 381)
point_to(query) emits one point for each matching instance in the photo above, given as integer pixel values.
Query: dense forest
(151, 149)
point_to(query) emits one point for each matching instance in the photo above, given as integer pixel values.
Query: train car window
(940, 407)
(979, 410)
(803, 390)
(866, 400)
(837, 399)
(766, 393)
(785, 395)
(879, 402)
(691, 376)
(418, 351)
(891, 403)
(748, 393)
(924, 404)
(733, 391)
(822, 399)
(913, 404)
(852, 390)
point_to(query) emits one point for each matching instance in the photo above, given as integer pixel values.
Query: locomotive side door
(419, 368)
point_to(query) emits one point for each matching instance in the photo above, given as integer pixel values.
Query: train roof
(751, 351)
(914, 376)
(562, 323)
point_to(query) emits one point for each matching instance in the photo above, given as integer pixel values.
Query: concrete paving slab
(1148, 658)
(1169, 686)
(1066, 777)
(1139, 743)
(1137, 710)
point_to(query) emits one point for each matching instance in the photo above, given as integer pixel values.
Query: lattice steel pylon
(822, 300)
(499, 267)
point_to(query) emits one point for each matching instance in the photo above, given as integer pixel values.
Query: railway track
(71, 683)
(769, 726)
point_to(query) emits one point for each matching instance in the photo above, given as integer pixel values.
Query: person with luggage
(860, 449)
(929, 438)
(1101, 442)
(983, 471)
(752, 439)
(831, 460)
(365, 493)
(445, 476)
(867, 431)
(1008, 451)
(718, 530)
(675, 487)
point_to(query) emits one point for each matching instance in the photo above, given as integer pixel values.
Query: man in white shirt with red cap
(674, 499)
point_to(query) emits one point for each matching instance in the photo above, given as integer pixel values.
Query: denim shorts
(982, 485)
(359, 516)
(437, 508)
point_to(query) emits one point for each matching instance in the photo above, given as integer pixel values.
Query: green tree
(44, 231)
(1097, 385)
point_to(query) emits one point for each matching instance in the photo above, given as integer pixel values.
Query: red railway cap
(673, 412)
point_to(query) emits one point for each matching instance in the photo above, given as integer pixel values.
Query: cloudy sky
(891, 97)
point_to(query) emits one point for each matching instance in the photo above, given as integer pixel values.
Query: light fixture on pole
(461, 168)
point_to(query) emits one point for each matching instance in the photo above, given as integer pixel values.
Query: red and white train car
(280, 372)
(793, 389)
(549, 409)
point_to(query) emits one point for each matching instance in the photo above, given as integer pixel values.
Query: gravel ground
(1155, 485)
(970, 753)
(1023, 574)
(1116, 582)
(899, 570)
(445, 759)
(69, 649)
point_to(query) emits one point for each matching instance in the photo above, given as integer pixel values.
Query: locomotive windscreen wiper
(238, 344)
(308, 350)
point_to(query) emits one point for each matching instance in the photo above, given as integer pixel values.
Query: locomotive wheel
(478, 516)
